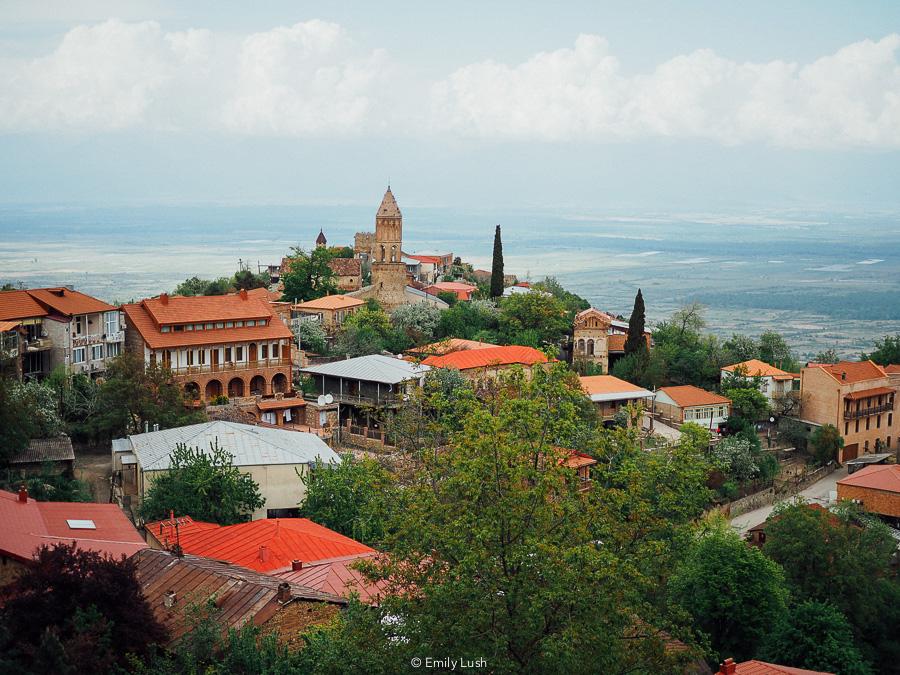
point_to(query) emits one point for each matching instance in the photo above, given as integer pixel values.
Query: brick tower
(388, 269)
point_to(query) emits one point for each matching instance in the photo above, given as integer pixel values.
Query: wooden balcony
(231, 367)
(865, 412)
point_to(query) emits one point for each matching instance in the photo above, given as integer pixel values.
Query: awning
(867, 393)
(280, 403)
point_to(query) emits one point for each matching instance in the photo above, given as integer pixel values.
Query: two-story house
(778, 386)
(59, 327)
(329, 311)
(223, 345)
(856, 397)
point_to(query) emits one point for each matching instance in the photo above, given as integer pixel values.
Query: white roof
(621, 395)
(372, 368)
(248, 445)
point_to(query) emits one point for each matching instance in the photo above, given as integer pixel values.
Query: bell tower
(388, 268)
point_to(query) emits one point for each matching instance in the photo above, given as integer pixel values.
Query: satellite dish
(320, 400)
(329, 399)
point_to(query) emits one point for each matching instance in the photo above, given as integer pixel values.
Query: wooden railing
(865, 412)
(231, 366)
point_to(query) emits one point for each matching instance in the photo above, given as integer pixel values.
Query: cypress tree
(497, 266)
(635, 341)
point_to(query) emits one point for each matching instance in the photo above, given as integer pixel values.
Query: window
(857, 426)
(846, 428)
(240, 353)
(227, 354)
(78, 355)
(201, 354)
(189, 327)
(275, 351)
(878, 421)
(251, 323)
(164, 329)
(79, 325)
(96, 352)
(111, 321)
(220, 324)
(229, 324)
(198, 326)
(889, 441)
(868, 422)
(178, 329)
(890, 419)
(238, 324)
(210, 326)
(264, 352)
(190, 357)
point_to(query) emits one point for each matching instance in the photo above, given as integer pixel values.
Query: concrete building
(856, 397)
(273, 457)
(223, 345)
(688, 403)
(610, 394)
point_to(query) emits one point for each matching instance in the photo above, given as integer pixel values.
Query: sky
(596, 105)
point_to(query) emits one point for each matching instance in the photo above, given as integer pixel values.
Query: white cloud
(850, 98)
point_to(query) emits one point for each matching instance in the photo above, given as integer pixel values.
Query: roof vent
(164, 298)
(843, 374)
(296, 565)
(23, 494)
(263, 552)
(60, 292)
(284, 592)
(169, 599)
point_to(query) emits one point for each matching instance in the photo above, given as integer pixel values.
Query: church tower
(388, 268)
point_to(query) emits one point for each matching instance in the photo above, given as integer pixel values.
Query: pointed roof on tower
(321, 240)
(389, 208)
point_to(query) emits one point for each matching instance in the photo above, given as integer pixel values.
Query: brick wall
(875, 501)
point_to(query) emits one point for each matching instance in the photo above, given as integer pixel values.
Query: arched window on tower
(394, 254)
(382, 253)
(590, 347)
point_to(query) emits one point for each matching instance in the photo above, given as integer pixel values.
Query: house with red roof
(446, 346)
(29, 524)
(755, 667)
(336, 576)
(222, 345)
(42, 328)
(876, 487)
(268, 545)
(488, 362)
(776, 384)
(599, 338)
(461, 290)
(687, 403)
(857, 398)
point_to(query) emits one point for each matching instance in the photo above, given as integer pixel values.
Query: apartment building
(856, 397)
(225, 345)
(43, 328)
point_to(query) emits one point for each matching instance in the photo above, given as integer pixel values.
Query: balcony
(865, 412)
(38, 344)
(386, 399)
(230, 367)
(118, 336)
(87, 340)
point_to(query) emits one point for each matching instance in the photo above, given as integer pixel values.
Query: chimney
(263, 552)
(146, 426)
(284, 592)
(156, 427)
(296, 565)
(843, 374)
(23, 494)
(728, 667)
(169, 599)
(243, 294)
(164, 298)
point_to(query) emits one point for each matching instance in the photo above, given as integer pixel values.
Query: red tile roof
(878, 477)
(851, 371)
(866, 393)
(67, 302)
(337, 577)
(688, 396)
(463, 291)
(30, 525)
(346, 267)
(433, 259)
(138, 319)
(576, 459)
(892, 369)
(489, 356)
(755, 667)
(19, 305)
(261, 545)
(757, 368)
(9, 325)
(330, 302)
(449, 345)
(608, 384)
(167, 310)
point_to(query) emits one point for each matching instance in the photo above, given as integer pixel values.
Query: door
(252, 356)
(851, 451)
(215, 358)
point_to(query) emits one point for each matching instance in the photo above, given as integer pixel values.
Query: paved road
(818, 492)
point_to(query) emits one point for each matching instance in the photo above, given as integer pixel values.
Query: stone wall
(750, 502)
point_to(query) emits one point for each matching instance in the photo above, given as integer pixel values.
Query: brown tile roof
(19, 305)
(892, 369)
(878, 477)
(389, 208)
(755, 667)
(757, 368)
(330, 302)
(866, 393)
(576, 460)
(242, 596)
(487, 357)
(851, 371)
(68, 302)
(46, 450)
(9, 325)
(688, 396)
(346, 267)
(138, 319)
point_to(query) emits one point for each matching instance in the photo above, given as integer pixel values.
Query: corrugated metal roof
(372, 368)
(337, 576)
(242, 596)
(249, 445)
(46, 450)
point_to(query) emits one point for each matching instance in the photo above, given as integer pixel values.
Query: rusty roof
(337, 576)
(57, 449)
(241, 595)
(346, 267)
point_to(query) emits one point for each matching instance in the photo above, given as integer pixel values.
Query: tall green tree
(774, 349)
(635, 343)
(27, 410)
(308, 275)
(204, 485)
(532, 319)
(887, 350)
(497, 266)
(824, 443)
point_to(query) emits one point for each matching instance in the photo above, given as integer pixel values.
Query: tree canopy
(308, 275)
(497, 284)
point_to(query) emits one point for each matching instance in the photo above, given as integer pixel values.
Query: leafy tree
(642, 369)
(353, 497)
(355, 341)
(497, 284)
(886, 352)
(749, 403)
(341, 251)
(740, 348)
(76, 611)
(197, 286)
(311, 336)
(417, 321)
(468, 319)
(689, 357)
(203, 485)
(635, 343)
(308, 275)
(773, 349)
(827, 356)
(733, 592)
(793, 432)
(49, 486)
(449, 297)
(532, 319)
(816, 636)
(734, 456)
(27, 410)
(245, 280)
(370, 331)
(825, 443)
(572, 302)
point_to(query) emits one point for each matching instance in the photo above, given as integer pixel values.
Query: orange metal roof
(757, 368)
(687, 396)
(68, 302)
(30, 525)
(755, 667)
(877, 477)
(261, 545)
(851, 371)
(488, 356)
(607, 384)
(330, 302)
(19, 305)
(866, 393)
(337, 577)
(139, 320)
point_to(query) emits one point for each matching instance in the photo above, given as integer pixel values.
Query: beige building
(599, 338)
(329, 311)
(856, 397)
(687, 403)
(610, 394)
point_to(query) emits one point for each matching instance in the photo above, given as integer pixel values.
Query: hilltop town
(362, 458)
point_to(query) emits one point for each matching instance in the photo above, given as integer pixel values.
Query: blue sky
(651, 105)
